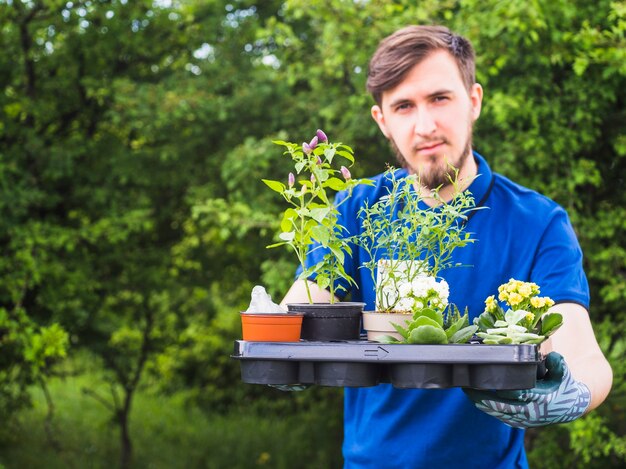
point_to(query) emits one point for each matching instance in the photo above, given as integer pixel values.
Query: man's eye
(403, 106)
(439, 99)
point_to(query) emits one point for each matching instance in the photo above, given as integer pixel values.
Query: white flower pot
(377, 324)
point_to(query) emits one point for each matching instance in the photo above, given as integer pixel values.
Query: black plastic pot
(329, 322)
(346, 374)
(269, 372)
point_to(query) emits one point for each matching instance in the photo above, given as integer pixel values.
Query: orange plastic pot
(271, 327)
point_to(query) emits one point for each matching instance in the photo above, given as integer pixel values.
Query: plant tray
(362, 363)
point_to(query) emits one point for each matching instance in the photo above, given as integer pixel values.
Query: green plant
(312, 216)
(431, 325)
(409, 243)
(407, 239)
(524, 322)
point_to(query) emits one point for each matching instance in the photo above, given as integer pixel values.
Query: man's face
(428, 118)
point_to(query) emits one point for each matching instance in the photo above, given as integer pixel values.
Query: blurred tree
(116, 118)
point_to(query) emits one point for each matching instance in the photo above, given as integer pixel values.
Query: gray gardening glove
(289, 387)
(556, 398)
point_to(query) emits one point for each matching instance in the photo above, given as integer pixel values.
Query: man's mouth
(429, 147)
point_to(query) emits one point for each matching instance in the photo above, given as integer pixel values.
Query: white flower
(405, 290)
(443, 289)
(405, 304)
(420, 287)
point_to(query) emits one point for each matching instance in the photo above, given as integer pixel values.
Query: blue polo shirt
(519, 234)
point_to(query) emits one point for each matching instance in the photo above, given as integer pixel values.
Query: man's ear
(377, 115)
(476, 98)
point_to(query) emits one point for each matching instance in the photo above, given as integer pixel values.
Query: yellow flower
(530, 316)
(490, 304)
(537, 302)
(503, 296)
(525, 290)
(515, 299)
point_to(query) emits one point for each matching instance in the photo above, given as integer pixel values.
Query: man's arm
(578, 378)
(297, 294)
(576, 342)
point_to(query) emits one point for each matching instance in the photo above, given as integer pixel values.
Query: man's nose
(424, 122)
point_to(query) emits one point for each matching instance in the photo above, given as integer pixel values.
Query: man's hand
(556, 398)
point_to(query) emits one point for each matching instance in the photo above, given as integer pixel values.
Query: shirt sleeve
(558, 263)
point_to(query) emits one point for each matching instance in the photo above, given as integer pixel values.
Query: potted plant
(311, 221)
(524, 321)
(408, 244)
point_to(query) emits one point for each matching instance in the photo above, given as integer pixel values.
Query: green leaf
(329, 153)
(526, 336)
(495, 340)
(287, 235)
(320, 234)
(423, 321)
(404, 332)
(339, 254)
(457, 326)
(513, 317)
(463, 335)
(428, 335)
(275, 185)
(347, 155)
(537, 341)
(286, 223)
(322, 281)
(386, 339)
(335, 184)
(275, 245)
(319, 214)
(550, 323)
(485, 321)
(432, 314)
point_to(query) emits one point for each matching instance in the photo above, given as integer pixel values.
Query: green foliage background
(134, 134)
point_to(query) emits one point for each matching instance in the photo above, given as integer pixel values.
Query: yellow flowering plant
(523, 322)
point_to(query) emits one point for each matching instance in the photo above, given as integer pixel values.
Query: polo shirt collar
(481, 185)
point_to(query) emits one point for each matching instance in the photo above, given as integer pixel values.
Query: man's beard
(439, 175)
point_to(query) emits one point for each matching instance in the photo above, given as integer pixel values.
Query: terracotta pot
(377, 324)
(271, 327)
(330, 322)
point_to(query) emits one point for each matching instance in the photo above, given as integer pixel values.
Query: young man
(422, 80)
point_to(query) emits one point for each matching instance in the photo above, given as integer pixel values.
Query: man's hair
(399, 53)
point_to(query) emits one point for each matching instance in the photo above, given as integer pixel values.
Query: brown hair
(399, 53)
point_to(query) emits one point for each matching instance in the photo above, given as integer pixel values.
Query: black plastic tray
(362, 363)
